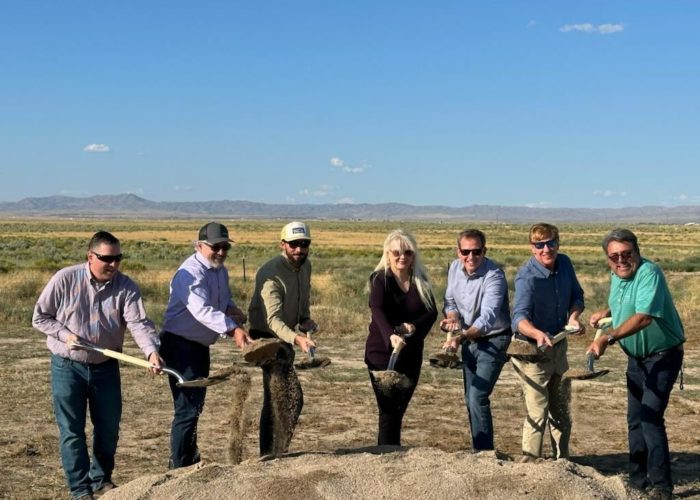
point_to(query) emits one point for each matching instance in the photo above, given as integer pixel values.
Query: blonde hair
(542, 230)
(419, 275)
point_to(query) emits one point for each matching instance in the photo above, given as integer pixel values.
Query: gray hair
(620, 235)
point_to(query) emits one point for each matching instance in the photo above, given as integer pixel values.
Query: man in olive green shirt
(280, 305)
(649, 330)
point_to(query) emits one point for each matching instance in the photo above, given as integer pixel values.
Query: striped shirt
(74, 302)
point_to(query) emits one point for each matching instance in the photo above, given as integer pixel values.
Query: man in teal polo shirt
(649, 330)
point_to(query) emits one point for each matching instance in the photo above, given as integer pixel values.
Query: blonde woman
(403, 310)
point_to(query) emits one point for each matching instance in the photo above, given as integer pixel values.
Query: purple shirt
(390, 307)
(74, 302)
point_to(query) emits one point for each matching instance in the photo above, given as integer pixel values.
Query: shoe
(103, 489)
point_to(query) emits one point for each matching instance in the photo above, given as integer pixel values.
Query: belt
(507, 331)
(659, 354)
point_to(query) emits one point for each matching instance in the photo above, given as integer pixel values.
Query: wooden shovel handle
(114, 354)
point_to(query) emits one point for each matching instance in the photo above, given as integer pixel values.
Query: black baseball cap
(214, 233)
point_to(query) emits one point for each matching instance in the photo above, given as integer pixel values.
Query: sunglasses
(109, 259)
(399, 253)
(219, 247)
(551, 244)
(622, 256)
(466, 252)
(299, 243)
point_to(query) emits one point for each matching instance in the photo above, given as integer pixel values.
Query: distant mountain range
(129, 205)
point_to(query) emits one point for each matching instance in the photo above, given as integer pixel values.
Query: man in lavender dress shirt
(200, 310)
(92, 302)
(476, 302)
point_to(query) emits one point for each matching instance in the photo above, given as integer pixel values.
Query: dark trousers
(283, 400)
(191, 359)
(649, 384)
(392, 407)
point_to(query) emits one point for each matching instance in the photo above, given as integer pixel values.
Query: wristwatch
(611, 339)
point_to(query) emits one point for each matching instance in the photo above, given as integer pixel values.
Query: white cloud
(683, 197)
(608, 29)
(183, 188)
(602, 29)
(345, 201)
(609, 193)
(340, 164)
(531, 24)
(96, 148)
(318, 192)
(539, 204)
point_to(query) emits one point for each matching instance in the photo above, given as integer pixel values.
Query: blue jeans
(191, 359)
(482, 362)
(77, 387)
(649, 384)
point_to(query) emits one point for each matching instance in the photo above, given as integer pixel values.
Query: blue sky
(538, 103)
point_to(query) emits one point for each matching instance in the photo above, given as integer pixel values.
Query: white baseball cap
(295, 231)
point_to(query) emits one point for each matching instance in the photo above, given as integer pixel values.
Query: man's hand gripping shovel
(447, 357)
(589, 373)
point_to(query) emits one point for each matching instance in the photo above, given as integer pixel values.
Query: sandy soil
(330, 453)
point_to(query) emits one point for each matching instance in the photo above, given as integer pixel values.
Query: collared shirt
(199, 297)
(481, 299)
(74, 302)
(646, 293)
(281, 297)
(546, 297)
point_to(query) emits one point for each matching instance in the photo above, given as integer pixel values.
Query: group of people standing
(95, 303)
(548, 299)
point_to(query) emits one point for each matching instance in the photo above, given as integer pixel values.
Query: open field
(339, 409)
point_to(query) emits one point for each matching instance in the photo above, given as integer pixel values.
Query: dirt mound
(388, 473)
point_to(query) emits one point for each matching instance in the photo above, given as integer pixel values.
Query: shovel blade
(584, 374)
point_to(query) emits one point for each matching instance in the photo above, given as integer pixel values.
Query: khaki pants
(547, 398)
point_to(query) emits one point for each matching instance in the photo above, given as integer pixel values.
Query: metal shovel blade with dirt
(528, 351)
(390, 380)
(447, 357)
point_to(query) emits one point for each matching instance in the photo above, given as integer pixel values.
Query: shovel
(446, 358)
(311, 360)
(389, 379)
(262, 351)
(217, 378)
(589, 373)
(521, 349)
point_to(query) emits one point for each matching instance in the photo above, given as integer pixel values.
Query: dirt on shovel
(262, 351)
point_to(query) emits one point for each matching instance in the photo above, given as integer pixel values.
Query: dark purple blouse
(391, 306)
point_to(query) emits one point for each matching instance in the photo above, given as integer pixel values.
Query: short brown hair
(542, 230)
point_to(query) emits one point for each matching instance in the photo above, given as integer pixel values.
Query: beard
(297, 260)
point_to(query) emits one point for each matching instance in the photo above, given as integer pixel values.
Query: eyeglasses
(219, 247)
(398, 253)
(617, 257)
(466, 252)
(299, 243)
(109, 259)
(551, 244)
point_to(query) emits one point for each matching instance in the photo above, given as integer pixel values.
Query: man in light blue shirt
(200, 310)
(476, 302)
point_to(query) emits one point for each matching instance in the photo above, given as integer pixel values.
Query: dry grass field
(339, 410)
